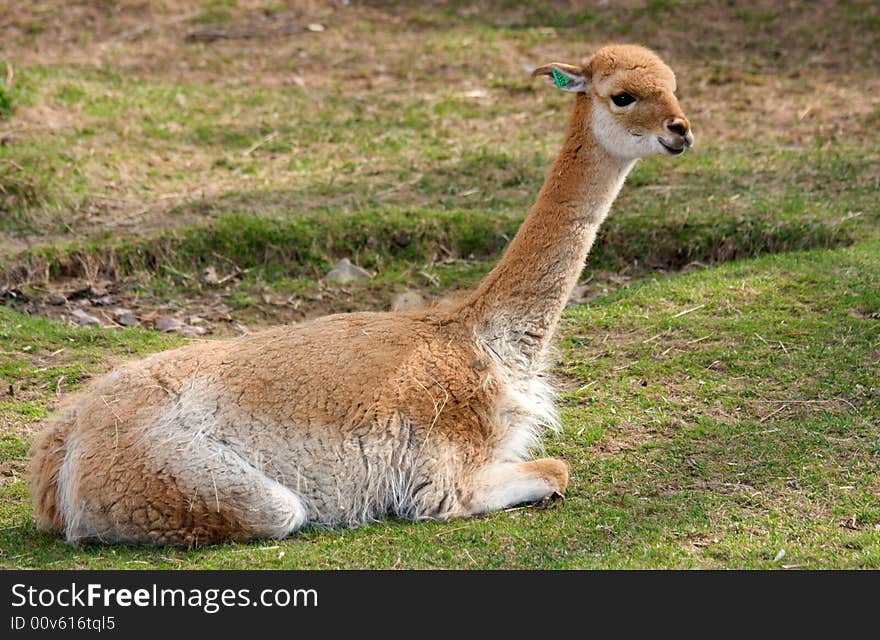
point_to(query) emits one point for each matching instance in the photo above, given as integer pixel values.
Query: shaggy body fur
(428, 414)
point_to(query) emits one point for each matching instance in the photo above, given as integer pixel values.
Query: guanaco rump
(427, 414)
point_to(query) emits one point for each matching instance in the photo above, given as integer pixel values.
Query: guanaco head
(634, 109)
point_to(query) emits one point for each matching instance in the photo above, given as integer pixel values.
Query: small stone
(345, 271)
(195, 320)
(191, 331)
(407, 300)
(85, 320)
(167, 324)
(103, 301)
(209, 276)
(125, 318)
(97, 289)
(580, 294)
(56, 298)
(316, 27)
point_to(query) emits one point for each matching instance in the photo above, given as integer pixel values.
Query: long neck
(517, 306)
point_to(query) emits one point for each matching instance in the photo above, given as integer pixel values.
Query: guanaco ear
(563, 76)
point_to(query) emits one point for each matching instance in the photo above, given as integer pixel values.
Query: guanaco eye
(622, 99)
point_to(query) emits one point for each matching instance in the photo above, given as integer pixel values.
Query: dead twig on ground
(835, 399)
(773, 413)
(259, 143)
(687, 311)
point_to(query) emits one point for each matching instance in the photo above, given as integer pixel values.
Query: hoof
(553, 498)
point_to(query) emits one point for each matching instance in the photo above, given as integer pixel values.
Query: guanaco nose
(678, 126)
(681, 127)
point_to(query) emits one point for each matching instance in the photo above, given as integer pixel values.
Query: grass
(717, 444)
(720, 387)
(802, 205)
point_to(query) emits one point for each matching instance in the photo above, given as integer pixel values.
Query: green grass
(713, 438)
(712, 418)
(28, 340)
(819, 200)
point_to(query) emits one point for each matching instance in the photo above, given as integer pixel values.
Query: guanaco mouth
(673, 150)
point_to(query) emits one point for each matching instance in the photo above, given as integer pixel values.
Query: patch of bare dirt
(12, 471)
(167, 38)
(210, 306)
(41, 117)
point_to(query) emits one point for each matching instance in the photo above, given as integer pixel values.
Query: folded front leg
(506, 484)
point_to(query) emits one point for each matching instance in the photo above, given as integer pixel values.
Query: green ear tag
(560, 79)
